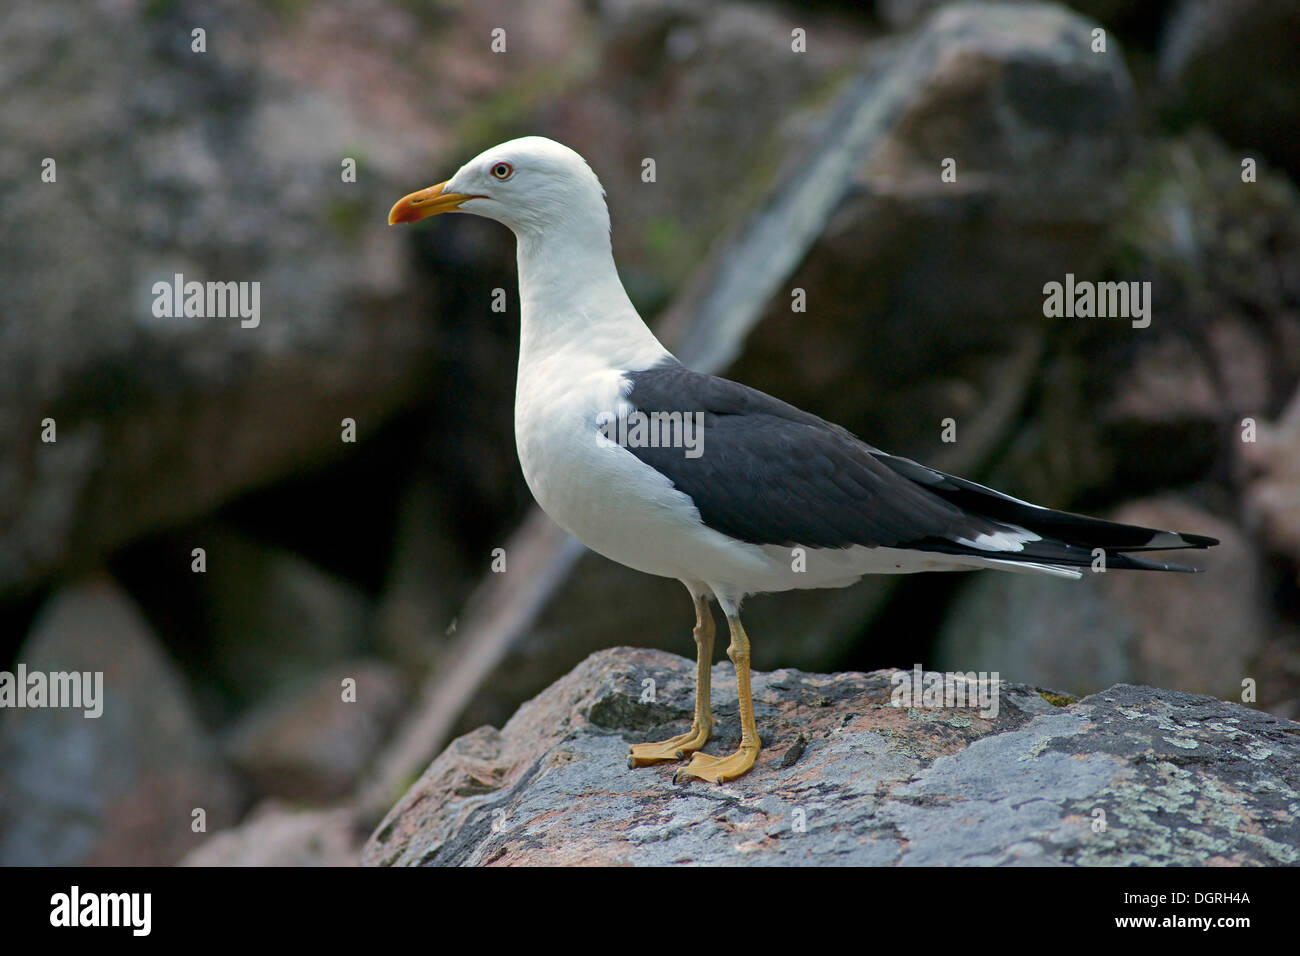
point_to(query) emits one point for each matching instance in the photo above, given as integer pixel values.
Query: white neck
(571, 300)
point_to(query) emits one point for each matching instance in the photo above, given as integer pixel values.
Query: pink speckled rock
(845, 777)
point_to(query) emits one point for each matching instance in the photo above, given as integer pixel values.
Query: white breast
(598, 492)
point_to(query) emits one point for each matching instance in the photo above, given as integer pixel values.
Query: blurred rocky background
(796, 146)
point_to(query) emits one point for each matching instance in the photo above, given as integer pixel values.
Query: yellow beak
(426, 202)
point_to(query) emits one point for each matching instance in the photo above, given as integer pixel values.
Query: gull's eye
(502, 171)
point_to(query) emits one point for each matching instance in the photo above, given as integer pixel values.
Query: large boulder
(1232, 63)
(312, 743)
(1128, 776)
(224, 164)
(122, 788)
(928, 289)
(279, 835)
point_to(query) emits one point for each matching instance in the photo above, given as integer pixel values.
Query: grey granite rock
(1132, 775)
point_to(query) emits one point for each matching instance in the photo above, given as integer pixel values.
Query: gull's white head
(534, 185)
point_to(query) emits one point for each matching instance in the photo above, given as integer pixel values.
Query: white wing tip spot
(1013, 539)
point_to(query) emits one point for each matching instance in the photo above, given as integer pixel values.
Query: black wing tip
(1172, 541)
(1129, 562)
(1064, 526)
(1158, 540)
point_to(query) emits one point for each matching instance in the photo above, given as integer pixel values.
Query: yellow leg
(722, 769)
(675, 748)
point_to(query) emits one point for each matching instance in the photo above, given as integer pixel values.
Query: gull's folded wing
(769, 473)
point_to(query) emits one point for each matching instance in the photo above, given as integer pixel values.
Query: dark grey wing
(769, 473)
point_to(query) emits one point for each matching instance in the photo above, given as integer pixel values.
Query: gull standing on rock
(743, 479)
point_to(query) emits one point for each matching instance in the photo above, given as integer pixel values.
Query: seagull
(685, 475)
